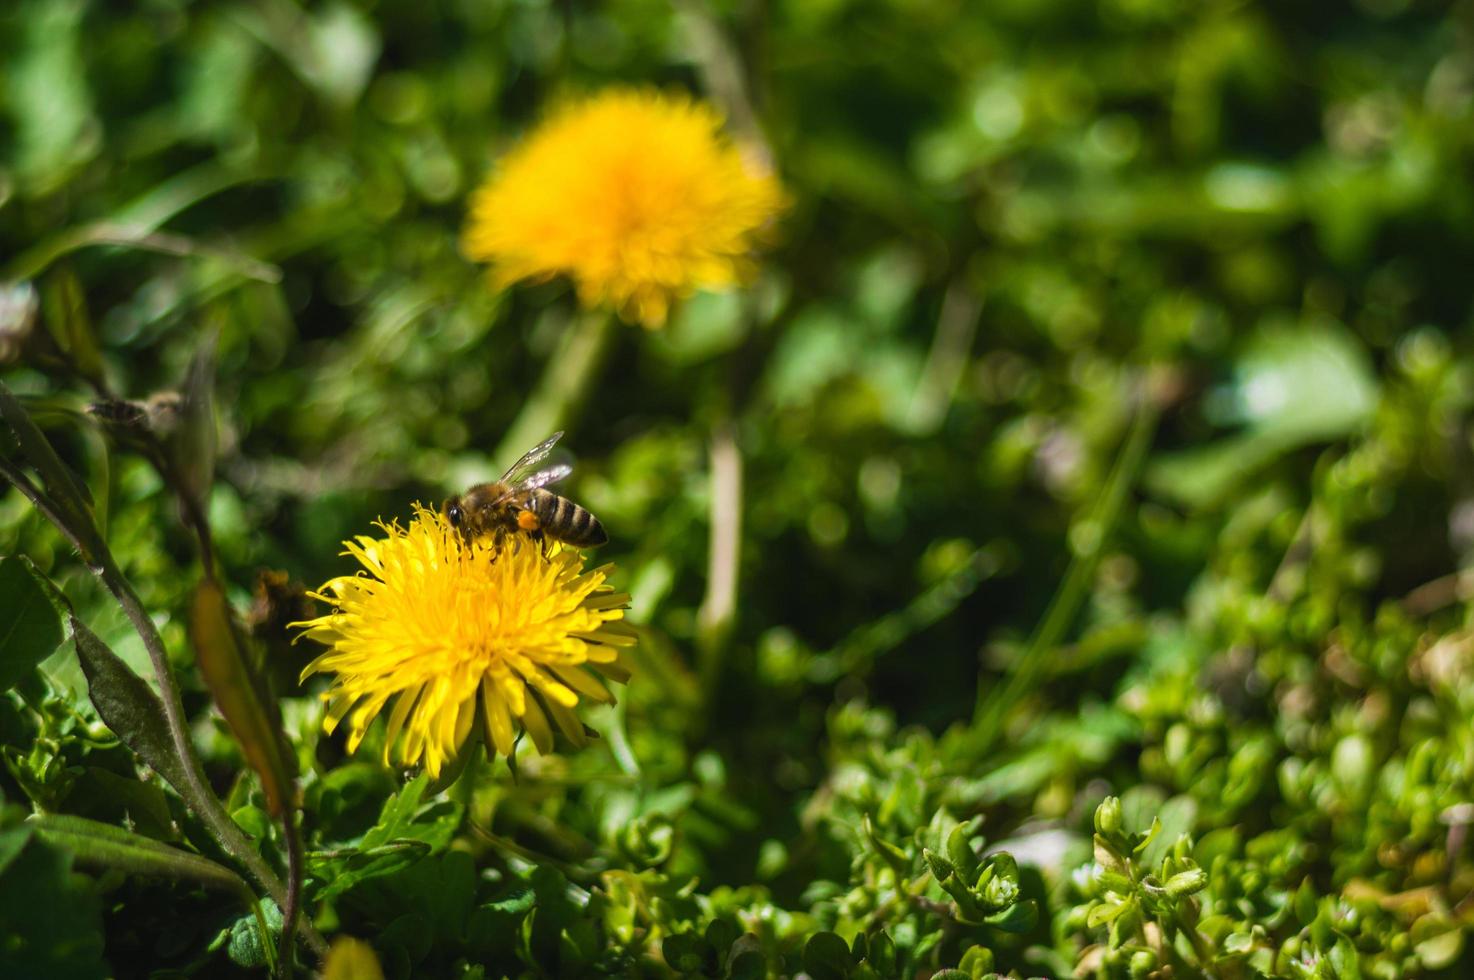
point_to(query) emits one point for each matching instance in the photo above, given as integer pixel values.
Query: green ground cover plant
(1036, 456)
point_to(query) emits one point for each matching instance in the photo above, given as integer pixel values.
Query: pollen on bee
(528, 521)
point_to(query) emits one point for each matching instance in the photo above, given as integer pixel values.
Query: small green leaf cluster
(1143, 907)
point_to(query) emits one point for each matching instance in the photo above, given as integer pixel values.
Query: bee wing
(525, 466)
(542, 478)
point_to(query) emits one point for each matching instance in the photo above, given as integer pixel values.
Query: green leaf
(411, 933)
(192, 447)
(70, 326)
(721, 934)
(890, 853)
(1186, 883)
(343, 873)
(1295, 385)
(404, 818)
(247, 947)
(30, 624)
(103, 845)
(1442, 950)
(119, 799)
(50, 922)
(960, 852)
(554, 913)
(1020, 917)
(941, 868)
(826, 957)
(398, 813)
(351, 959)
(55, 128)
(68, 497)
(12, 842)
(492, 927)
(748, 965)
(128, 706)
(684, 952)
(977, 962)
(882, 954)
(1177, 816)
(223, 665)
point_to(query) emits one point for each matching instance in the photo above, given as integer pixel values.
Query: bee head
(453, 512)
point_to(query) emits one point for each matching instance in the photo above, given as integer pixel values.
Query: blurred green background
(1012, 223)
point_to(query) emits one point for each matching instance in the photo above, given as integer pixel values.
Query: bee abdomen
(563, 520)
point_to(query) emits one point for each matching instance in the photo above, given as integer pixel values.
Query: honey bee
(518, 502)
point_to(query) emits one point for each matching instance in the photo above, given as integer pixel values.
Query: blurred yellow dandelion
(448, 631)
(634, 194)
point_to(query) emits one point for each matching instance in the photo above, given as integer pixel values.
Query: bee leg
(542, 543)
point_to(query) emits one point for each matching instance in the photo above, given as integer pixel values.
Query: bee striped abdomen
(563, 520)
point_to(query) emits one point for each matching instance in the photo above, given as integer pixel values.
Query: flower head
(447, 631)
(634, 194)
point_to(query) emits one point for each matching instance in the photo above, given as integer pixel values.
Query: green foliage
(50, 922)
(31, 631)
(1027, 241)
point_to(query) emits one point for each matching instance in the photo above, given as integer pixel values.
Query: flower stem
(957, 327)
(993, 707)
(200, 797)
(194, 788)
(718, 610)
(567, 379)
(294, 890)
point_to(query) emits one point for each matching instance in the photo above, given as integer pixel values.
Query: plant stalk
(565, 384)
(195, 790)
(1023, 678)
(718, 611)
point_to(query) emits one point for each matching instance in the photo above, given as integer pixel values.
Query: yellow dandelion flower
(634, 194)
(448, 631)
